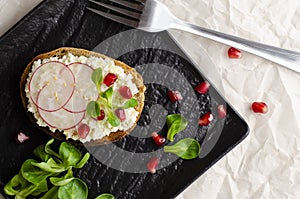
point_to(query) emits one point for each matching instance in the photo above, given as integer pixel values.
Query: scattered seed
(234, 53)
(259, 107)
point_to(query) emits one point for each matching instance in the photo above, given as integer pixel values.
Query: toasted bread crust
(60, 52)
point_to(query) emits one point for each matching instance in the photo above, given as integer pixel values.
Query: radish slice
(61, 119)
(51, 86)
(85, 89)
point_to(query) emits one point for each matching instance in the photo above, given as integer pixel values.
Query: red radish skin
(76, 104)
(125, 92)
(152, 165)
(259, 107)
(203, 87)
(21, 137)
(83, 85)
(61, 119)
(120, 113)
(222, 112)
(101, 116)
(234, 53)
(158, 139)
(174, 96)
(83, 130)
(48, 90)
(110, 79)
(206, 119)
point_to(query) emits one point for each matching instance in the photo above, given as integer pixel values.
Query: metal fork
(154, 16)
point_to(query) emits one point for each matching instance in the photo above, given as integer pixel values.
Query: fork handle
(287, 58)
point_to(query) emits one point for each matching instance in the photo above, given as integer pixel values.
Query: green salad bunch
(51, 177)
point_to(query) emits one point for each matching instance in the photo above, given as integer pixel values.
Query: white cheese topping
(98, 129)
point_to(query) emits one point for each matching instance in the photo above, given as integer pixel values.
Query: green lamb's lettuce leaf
(33, 190)
(51, 194)
(69, 154)
(82, 162)
(187, 148)
(97, 77)
(176, 123)
(73, 190)
(40, 188)
(21, 188)
(32, 173)
(106, 196)
(25, 192)
(107, 97)
(131, 103)
(93, 109)
(50, 166)
(16, 184)
(41, 153)
(49, 151)
(113, 119)
(60, 181)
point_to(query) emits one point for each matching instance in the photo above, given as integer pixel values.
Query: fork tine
(120, 10)
(131, 5)
(128, 22)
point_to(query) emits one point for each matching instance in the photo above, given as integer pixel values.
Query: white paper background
(267, 163)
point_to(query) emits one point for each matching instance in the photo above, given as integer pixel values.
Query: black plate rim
(212, 163)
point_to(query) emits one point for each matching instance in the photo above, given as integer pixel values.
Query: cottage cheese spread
(98, 129)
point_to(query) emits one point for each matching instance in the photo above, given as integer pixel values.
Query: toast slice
(60, 52)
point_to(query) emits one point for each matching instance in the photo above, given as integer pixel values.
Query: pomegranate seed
(174, 96)
(222, 111)
(120, 113)
(158, 139)
(83, 130)
(234, 53)
(101, 116)
(205, 119)
(125, 92)
(152, 165)
(203, 87)
(259, 107)
(109, 79)
(21, 137)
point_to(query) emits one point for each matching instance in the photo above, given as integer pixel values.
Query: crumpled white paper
(267, 163)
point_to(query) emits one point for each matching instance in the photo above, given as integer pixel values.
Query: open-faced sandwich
(76, 94)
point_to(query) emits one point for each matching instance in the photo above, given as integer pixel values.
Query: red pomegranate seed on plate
(120, 113)
(174, 96)
(109, 79)
(205, 119)
(125, 92)
(21, 137)
(259, 107)
(222, 112)
(203, 87)
(158, 139)
(234, 53)
(101, 116)
(83, 130)
(152, 165)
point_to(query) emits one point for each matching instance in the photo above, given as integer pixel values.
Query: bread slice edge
(60, 52)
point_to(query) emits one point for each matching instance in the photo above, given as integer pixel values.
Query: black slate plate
(56, 23)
